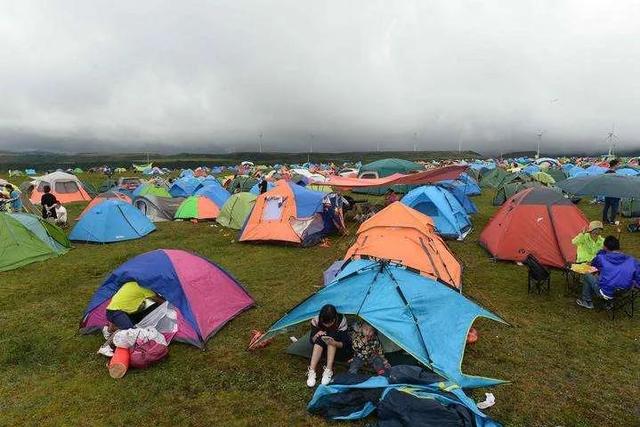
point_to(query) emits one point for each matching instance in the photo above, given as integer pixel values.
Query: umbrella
(608, 185)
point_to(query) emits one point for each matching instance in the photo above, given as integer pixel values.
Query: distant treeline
(48, 161)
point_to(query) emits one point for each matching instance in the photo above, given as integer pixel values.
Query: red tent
(537, 221)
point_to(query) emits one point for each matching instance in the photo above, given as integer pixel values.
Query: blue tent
(449, 216)
(460, 195)
(186, 173)
(531, 169)
(596, 170)
(627, 172)
(216, 192)
(184, 187)
(426, 318)
(464, 181)
(111, 221)
(256, 189)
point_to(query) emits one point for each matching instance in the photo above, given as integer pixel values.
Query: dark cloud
(202, 75)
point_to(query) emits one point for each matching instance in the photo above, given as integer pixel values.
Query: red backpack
(146, 354)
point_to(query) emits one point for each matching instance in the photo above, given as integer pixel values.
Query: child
(367, 349)
(328, 332)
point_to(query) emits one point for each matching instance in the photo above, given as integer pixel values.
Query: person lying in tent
(48, 202)
(328, 335)
(129, 306)
(589, 243)
(616, 272)
(367, 349)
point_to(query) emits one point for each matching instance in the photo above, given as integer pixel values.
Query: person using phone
(328, 336)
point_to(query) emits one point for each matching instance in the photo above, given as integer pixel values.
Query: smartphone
(325, 338)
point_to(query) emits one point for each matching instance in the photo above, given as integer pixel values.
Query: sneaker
(106, 350)
(327, 375)
(311, 377)
(585, 304)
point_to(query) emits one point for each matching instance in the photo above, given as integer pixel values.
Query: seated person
(127, 306)
(14, 198)
(48, 201)
(367, 349)
(391, 197)
(616, 271)
(589, 243)
(328, 334)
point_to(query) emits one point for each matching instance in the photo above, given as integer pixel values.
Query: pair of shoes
(327, 375)
(106, 350)
(585, 304)
(105, 333)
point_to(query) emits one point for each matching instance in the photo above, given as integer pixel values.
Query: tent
(158, 209)
(494, 178)
(30, 172)
(289, 213)
(630, 208)
(184, 187)
(77, 171)
(150, 189)
(406, 236)
(256, 189)
(383, 168)
(459, 193)
(236, 210)
(537, 221)
(111, 221)
(108, 195)
(215, 192)
(142, 168)
(197, 207)
(512, 188)
(205, 296)
(465, 182)
(66, 187)
(242, 183)
(425, 317)
(450, 218)
(26, 238)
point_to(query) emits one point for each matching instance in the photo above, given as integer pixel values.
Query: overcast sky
(343, 75)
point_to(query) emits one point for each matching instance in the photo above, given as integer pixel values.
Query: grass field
(567, 366)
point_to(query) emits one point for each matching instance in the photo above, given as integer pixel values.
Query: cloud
(198, 75)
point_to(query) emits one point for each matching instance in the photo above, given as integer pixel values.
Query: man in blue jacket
(616, 270)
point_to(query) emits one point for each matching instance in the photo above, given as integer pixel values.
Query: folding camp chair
(538, 278)
(622, 300)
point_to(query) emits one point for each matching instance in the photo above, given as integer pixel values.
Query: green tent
(242, 183)
(26, 238)
(149, 189)
(386, 167)
(630, 208)
(78, 170)
(495, 178)
(236, 209)
(510, 189)
(557, 174)
(543, 178)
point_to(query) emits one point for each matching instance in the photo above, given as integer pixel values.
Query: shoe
(106, 350)
(327, 375)
(105, 333)
(585, 304)
(311, 377)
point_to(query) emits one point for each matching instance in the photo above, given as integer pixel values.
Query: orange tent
(402, 234)
(66, 187)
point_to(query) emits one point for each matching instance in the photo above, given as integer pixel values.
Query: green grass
(567, 366)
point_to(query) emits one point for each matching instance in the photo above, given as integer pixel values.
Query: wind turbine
(415, 141)
(260, 143)
(611, 140)
(539, 134)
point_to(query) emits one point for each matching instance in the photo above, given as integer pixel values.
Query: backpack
(146, 354)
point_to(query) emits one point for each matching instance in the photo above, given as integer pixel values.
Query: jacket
(617, 271)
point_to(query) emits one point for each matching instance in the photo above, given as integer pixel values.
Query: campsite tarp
(419, 178)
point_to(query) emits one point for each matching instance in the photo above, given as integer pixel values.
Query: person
(263, 185)
(127, 306)
(589, 243)
(48, 201)
(61, 214)
(616, 271)
(611, 204)
(367, 349)
(14, 198)
(329, 334)
(391, 197)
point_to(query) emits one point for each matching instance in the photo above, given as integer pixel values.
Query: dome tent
(205, 296)
(111, 221)
(236, 210)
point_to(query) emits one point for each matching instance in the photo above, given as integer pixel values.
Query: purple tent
(205, 296)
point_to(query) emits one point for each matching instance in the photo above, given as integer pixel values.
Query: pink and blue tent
(205, 296)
